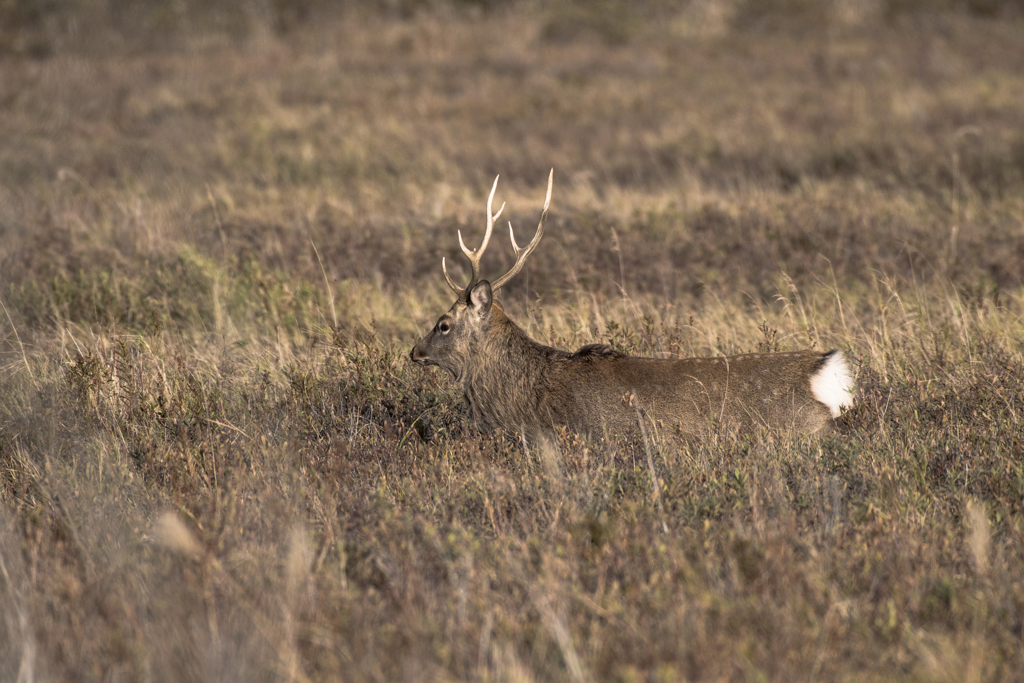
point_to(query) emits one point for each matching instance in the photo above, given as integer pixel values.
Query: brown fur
(512, 382)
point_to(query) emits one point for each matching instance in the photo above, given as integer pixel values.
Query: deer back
(599, 390)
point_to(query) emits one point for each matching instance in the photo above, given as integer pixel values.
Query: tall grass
(216, 251)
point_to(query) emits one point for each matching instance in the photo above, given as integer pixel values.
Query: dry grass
(216, 251)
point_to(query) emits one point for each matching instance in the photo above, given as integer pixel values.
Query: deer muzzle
(418, 356)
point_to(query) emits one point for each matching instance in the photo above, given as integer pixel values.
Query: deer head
(457, 332)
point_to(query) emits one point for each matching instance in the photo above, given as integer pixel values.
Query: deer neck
(505, 374)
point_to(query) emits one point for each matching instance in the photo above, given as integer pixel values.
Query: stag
(514, 383)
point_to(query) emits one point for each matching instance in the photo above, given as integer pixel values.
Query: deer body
(512, 382)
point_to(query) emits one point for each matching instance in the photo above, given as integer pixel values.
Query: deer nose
(417, 356)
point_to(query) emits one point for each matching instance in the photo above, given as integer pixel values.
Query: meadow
(221, 232)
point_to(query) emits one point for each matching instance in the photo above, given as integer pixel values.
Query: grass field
(221, 232)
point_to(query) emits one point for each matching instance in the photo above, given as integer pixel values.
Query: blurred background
(712, 145)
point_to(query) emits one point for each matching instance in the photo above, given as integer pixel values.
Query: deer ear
(480, 298)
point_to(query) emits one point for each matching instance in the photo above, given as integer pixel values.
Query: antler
(474, 254)
(521, 254)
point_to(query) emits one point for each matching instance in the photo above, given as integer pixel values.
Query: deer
(516, 384)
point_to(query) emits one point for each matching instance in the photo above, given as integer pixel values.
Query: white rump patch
(832, 384)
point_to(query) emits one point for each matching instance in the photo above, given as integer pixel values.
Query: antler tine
(474, 255)
(455, 288)
(522, 254)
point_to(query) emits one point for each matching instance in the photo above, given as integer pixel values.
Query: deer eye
(444, 327)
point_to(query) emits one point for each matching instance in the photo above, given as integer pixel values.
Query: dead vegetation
(217, 247)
